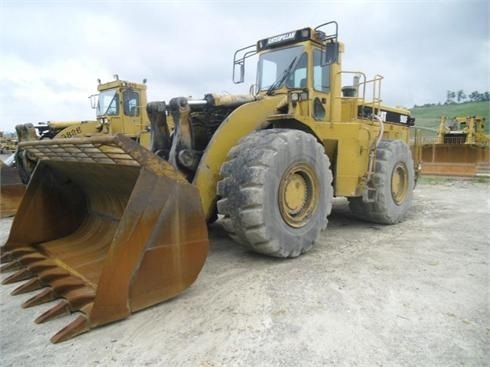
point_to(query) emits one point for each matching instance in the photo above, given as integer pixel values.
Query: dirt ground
(412, 294)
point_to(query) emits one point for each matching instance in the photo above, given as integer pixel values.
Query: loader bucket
(11, 190)
(454, 159)
(105, 226)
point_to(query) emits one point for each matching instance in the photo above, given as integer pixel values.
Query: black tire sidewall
(290, 237)
(392, 154)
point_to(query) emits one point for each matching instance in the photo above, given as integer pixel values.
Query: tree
(460, 96)
(474, 96)
(450, 96)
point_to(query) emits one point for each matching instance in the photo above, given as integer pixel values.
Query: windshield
(277, 66)
(108, 103)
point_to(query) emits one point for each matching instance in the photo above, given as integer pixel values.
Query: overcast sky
(52, 52)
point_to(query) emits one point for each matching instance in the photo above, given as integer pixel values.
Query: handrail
(239, 60)
(375, 100)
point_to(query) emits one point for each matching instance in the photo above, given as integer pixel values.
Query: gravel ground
(412, 294)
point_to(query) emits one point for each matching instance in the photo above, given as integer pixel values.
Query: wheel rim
(399, 183)
(298, 195)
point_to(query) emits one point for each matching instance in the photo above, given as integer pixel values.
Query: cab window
(131, 102)
(108, 103)
(274, 65)
(298, 77)
(321, 74)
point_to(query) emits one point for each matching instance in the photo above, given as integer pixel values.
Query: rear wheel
(393, 181)
(276, 192)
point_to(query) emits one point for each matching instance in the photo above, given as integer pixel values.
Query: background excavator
(120, 108)
(125, 227)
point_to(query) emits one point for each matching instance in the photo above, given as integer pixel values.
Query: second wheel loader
(120, 108)
(124, 228)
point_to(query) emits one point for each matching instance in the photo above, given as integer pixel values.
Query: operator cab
(301, 64)
(305, 65)
(118, 97)
(120, 106)
(283, 61)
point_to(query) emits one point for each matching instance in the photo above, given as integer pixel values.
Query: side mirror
(238, 68)
(331, 53)
(239, 62)
(94, 98)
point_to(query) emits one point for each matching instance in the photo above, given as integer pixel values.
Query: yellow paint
(348, 139)
(132, 126)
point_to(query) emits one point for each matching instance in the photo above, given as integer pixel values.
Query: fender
(79, 129)
(241, 122)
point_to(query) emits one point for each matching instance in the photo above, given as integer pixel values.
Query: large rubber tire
(276, 192)
(393, 181)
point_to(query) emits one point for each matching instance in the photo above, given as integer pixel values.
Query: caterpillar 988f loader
(124, 228)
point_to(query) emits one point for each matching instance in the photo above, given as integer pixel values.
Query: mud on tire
(394, 182)
(276, 192)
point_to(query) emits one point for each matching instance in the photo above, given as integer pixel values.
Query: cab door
(131, 112)
(321, 109)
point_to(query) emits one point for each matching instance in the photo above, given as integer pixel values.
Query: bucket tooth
(29, 286)
(76, 327)
(23, 274)
(44, 296)
(61, 308)
(31, 257)
(13, 254)
(79, 298)
(41, 266)
(51, 274)
(35, 264)
(6, 258)
(19, 262)
(11, 266)
(48, 274)
(64, 285)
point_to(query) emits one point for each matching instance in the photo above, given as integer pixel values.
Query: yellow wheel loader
(120, 108)
(461, 148)
(124, 228)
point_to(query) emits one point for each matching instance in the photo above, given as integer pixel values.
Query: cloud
(53, 52)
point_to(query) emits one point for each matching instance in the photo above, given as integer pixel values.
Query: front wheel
(276, 192)
(393, 182)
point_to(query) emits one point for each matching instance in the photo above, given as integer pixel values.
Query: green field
(429, 116)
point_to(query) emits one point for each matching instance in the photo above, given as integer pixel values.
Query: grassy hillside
(429, 116)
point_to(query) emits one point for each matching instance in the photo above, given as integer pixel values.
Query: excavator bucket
(105, 226)
(11, 190)
(455, 159)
